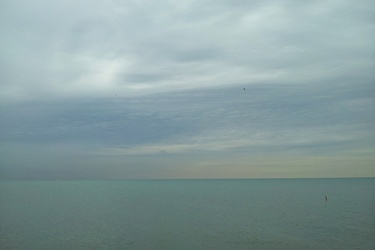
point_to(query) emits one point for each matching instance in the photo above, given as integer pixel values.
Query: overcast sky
(187, 89)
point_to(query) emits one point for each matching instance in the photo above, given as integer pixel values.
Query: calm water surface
(188, 214)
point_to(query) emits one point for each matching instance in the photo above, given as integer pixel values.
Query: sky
(125, 89)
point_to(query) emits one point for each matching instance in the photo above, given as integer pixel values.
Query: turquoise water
(188, 214)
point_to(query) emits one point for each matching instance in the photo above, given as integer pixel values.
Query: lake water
(188, 214)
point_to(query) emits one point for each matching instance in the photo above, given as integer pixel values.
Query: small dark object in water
(326, 198)
(244, 89)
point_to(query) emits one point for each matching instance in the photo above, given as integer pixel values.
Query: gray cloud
(264, 120)
(160, 83)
